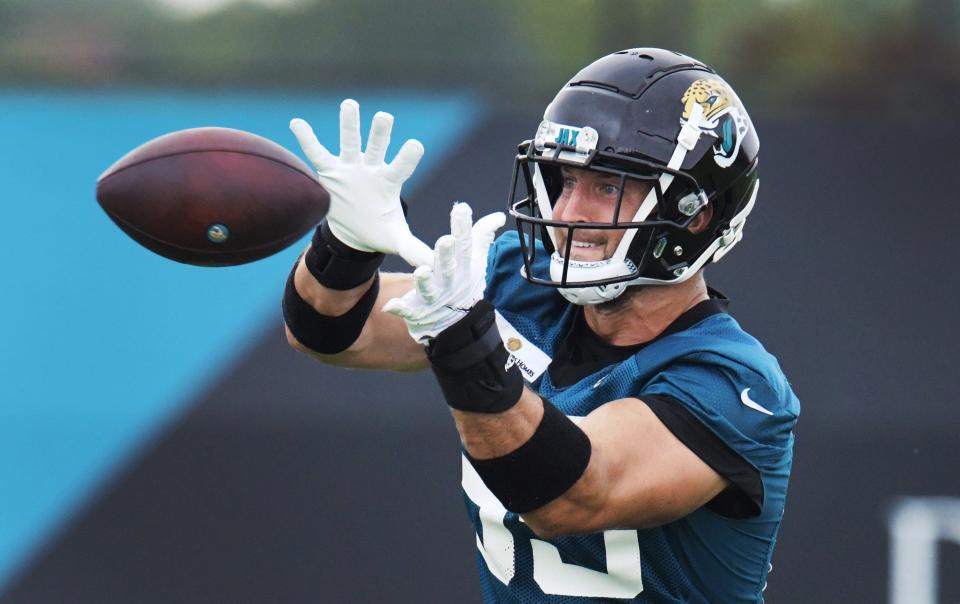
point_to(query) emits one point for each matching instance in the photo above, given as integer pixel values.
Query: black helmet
(648, 115)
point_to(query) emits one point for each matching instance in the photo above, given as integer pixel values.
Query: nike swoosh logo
(601, 381)
(745, 399)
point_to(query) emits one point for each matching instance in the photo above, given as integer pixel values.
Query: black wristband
(321, 333)
(336, 265)
(470, 363)
(541, 469)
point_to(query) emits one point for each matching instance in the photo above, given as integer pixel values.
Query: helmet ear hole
(701, 222)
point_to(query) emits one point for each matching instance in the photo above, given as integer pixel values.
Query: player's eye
(569, 183)
(609, 189)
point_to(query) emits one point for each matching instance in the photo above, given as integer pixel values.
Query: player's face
(592, 197)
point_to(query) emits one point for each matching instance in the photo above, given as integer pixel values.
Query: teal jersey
(711, 371)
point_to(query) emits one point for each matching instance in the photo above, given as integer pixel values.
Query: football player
(623, 438)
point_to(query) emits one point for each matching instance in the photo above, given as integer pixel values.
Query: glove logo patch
(530, 360)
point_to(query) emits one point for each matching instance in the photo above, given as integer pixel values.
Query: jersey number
(552, 575)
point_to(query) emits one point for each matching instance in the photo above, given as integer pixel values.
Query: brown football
(212, 196)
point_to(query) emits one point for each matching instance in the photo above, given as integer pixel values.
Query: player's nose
(577, 207)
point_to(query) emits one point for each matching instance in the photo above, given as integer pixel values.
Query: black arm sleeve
(744, 497)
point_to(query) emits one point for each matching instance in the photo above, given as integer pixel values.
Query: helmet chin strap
(618, 265)
(596, 294)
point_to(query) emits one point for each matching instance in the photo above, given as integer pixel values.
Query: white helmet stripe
(543, 200)
(649, 203)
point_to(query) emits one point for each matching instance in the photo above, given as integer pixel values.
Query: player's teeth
(584, 244)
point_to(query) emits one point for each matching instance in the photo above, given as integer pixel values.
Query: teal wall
(100, 340)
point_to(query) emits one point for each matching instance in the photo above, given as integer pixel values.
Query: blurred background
(159, 442)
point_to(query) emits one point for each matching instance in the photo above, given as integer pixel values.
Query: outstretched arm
(334, 294)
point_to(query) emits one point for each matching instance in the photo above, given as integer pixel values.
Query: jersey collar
(582, 352)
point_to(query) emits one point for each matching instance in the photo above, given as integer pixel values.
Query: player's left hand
(366, 213)
(445, 292)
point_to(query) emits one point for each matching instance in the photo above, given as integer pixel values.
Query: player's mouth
(587, 250)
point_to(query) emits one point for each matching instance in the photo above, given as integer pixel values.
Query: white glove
(365, 211)
(442, 295)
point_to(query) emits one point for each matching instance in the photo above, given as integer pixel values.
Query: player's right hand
(445, 292)
(365, 210)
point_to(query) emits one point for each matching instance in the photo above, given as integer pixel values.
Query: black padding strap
(541, 469)
(471, 366)
(472, 353)
(336, 265)
(320, 333)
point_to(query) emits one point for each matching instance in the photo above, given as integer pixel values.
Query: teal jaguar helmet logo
(722, 117)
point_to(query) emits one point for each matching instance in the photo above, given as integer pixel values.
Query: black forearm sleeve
(541, 469)
(321, 333)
